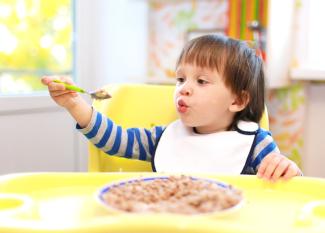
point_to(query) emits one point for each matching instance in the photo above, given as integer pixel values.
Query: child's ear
(240, 102)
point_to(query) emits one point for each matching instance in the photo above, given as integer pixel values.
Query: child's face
(202, 99)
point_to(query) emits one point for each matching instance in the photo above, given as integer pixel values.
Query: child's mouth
(181, 106)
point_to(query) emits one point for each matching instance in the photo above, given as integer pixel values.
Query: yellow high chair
(136, 105)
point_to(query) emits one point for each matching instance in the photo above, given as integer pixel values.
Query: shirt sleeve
(133, 143)
(263, 145)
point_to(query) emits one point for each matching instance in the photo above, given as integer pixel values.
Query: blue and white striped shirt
(141, 143)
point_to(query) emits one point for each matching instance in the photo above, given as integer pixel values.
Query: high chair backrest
(136, 105)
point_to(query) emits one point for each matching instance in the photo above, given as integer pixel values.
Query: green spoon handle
(70, 87)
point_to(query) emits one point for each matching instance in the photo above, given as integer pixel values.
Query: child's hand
(80, 110)
(275, 166)
(59, 94)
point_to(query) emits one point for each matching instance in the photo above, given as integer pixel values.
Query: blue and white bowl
(100, 196)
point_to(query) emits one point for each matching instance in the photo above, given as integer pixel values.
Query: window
(316, 34)
(309, 61)
(35, 40)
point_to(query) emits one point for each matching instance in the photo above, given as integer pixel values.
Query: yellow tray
(65, 202)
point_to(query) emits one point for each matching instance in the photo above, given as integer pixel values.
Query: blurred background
(98, 42)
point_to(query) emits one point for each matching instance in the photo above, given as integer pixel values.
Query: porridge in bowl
(171, 194)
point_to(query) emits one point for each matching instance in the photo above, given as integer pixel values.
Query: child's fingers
(264, 164)
(280, 169)
(46, 80)
(59, 93)
(269, 171)
(65, 79)
(271, 166)
(275, 166)
(290, 172)
(74, 94)
(52, 86)
(262, 168)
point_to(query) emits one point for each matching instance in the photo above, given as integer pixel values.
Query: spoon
(100, 94)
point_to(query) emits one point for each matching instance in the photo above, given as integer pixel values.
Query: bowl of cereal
(185, 195)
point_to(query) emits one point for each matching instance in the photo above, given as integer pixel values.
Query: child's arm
(79, 109)
(267, 160)
(133, 143)
(275, 166)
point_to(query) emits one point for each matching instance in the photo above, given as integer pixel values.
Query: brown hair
(241, 68)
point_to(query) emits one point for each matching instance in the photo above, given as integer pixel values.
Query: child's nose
(186, 90)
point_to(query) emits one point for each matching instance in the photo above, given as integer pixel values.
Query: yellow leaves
(36, 37)
(41, 18)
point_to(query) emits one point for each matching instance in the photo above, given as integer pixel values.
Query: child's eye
(202, 81)
(180, 80)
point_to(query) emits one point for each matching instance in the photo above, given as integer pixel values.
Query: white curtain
(309, 47)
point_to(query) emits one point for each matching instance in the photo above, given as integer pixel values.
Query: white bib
(182, 150)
